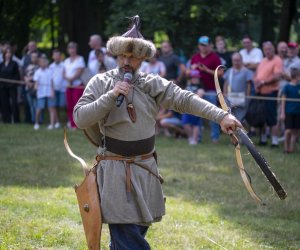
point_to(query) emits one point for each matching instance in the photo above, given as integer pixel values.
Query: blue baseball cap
(204, 40)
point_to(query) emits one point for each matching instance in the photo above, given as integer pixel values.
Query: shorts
(190, 120)
(41, 102)
(271, 109)
(60, 98)
(292, 121)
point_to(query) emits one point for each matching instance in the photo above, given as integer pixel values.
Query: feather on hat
(131, 43)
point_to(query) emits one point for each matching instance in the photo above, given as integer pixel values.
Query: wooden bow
(235, 142)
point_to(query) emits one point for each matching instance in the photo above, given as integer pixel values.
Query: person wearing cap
(206, 61)
(251, 56)
(128, 178)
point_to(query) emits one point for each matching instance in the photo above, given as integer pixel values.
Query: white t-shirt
(254, 56)
(59, 82)
(71, 67)
(43, 77)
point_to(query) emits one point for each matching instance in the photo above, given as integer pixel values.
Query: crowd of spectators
(31, 84)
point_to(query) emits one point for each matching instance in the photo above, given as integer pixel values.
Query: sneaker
(50, 127)
(36, 126)
(57, 125)
(193, 142)
(69, 125)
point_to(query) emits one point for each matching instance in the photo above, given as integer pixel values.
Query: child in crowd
(57, 68)
(290, 111)
(45, 92)
(191, 123)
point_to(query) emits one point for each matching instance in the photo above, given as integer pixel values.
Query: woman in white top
(73, 68)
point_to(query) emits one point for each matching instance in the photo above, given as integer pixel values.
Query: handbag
(236, 99)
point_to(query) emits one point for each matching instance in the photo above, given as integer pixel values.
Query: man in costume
(127, 175)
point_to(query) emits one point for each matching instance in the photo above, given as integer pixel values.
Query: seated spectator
(171, 124)
(238, 80)
(290, 111)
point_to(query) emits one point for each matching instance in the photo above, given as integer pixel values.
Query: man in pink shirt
(206, 61)
(266, 83)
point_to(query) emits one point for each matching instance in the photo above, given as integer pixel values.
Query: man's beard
(127, 68)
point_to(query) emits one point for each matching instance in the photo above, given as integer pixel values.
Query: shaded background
(55, 22)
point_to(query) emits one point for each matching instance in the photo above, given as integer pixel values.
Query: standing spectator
(45, 92)
(73, 68)
(206, 61)
(190, 122)
(59, 84)
(95, 43)
(28, 50)
(30, 91)
(155, 67)
(175, 69)
(7, 45)
(290, 111)
(266, 83)
(292, 60)
(101, 63)
(8, 91)
(238, 79)
(282, 50)
(221, 51)
(251, 56)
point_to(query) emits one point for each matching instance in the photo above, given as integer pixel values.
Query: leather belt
(129, 160)
(130, 148)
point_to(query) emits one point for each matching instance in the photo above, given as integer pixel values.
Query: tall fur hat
(131, 43)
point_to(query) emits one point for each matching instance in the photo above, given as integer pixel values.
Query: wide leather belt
(129, 160)
(130, 148)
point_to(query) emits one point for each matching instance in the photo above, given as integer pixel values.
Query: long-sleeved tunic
(145, 203)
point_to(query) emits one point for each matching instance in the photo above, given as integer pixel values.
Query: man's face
(128, 63)
(268, 50)
(282, 48)
(204, 48)
(236, 61)
(292, 52)
(247, 43)
(165, 48)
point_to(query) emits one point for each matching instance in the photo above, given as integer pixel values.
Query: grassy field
(207, 204)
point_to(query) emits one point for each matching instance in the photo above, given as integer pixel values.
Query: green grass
(207, 204)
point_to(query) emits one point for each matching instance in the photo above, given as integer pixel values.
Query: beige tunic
(145, 204)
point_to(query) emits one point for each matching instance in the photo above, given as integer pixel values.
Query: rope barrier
(247, 97)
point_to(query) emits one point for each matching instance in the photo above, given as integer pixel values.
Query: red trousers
(72, 97)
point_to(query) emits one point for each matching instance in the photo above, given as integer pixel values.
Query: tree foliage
(181, 21)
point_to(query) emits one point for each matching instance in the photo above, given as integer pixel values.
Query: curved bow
(235, 141)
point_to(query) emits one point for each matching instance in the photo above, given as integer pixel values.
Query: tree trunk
(288, 12)
(268, 21)
(79, 19)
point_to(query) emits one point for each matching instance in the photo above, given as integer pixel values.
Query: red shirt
(211, 61)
